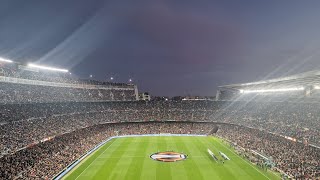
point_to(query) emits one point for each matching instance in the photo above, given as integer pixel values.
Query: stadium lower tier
(48, 158)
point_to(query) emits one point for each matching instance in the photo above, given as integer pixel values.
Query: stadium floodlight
(47, 68)
(271, 90)
(316, 87)
(5, 60)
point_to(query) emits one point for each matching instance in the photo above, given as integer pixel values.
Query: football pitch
(148, 158)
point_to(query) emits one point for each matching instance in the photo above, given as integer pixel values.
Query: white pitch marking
(94, 160)
(244, 160)
(147, 156)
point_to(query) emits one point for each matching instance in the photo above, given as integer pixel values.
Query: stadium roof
(310, 78)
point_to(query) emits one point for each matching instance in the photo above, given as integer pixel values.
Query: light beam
(47, 68)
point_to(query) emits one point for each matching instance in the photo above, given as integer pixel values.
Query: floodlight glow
(5, 60)
(316, 87)
(271, 90)
(47, 68)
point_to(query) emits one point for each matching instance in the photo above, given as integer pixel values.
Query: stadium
(100, 130)
(159, 90)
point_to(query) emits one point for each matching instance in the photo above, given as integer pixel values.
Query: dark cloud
(167, 47)
(183, 36)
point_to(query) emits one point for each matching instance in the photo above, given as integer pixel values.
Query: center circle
(168, 156)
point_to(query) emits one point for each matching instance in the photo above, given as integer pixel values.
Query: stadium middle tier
(24, 124)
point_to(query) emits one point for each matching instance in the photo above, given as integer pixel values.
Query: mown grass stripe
(221, 170)
(87, 161)
(128, 158)
(125, 160)
(135, 167)
(238, 168)
(99, 163)
(250, 169)
(211, 167)
(110, 170)
(269, 174)
(179, 170)
(163, 171)
(195, 172)
(149, 165)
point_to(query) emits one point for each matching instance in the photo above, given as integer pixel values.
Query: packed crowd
(297, 120)
(20, 84)
(25, 124)
(27, 93)
(295, 159)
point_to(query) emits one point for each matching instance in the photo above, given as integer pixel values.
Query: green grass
(129, 158)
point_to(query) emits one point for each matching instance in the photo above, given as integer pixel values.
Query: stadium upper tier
(307, 79)
(303, 87)
(24, 84)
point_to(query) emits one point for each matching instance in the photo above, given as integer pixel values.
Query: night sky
(170, 48)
